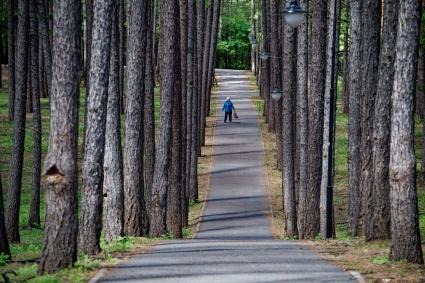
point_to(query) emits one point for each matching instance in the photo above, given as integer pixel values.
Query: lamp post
(276, 94)
(264, 55)
(294, 14)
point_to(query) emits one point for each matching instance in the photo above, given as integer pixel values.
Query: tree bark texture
(122, 50)
(11, 6)
(60, 166)
(354, 123)
(134, 198)
(317, 80)
(288, 131)
(34, 217)
(371, 21)
(90, 224)
(405, 237)
(4, 243)
(346, 68)
(168, 69)
(18, 139)
(113, 180)
(265, 65)
(379, 224)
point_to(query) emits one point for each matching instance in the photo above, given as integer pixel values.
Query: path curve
(234, 242)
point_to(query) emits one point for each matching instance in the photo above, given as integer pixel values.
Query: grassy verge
(26, 254)
(369, 258)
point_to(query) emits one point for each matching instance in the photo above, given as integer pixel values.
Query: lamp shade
(294, 15)
(276, 94)
(264, 55)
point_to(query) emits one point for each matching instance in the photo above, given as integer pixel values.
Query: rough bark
(4, 243)
(317, 80)
(34, 217)
(149, 127)
(271, 32)
(168, 69)
(302, 109)
(122, 50)
(346, 68)
(113, 180)
(205, 67)
(60, 166)
(405, 237)
(354, 122)
(90, 224)
(265, 65)
(134, 200)
(288, 131)
(327, 228)
(11, 55)
(379, 225)
(18, 139)
(371, 21)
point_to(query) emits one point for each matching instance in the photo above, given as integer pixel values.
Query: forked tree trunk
(168, 68)
(15, 177)
(405, 237)
(60, 166)
(354, 131)
(134, 200)
(113, 180)
(379, 225)
(34, 217)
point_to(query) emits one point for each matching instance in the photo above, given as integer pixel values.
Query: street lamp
(294, 14)
(276, 94)
(264, 55)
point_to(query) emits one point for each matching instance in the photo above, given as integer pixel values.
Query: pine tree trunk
(113, 180)
(317, 79)
(379, 225)
(121, 50)
(205, 68)
(11, 6)
(34, 217)
(168, 69)
(371, 21)
(265, 65)
(134, 200)
(302, 108)
(405, 237)
(149, 127)
(4, 243)
(43, 22)
(288, 130)
(15, 177)
(346, 68)
(271, 32)
(354, 131)
(60, 166)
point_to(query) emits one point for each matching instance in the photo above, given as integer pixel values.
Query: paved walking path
(234, 243)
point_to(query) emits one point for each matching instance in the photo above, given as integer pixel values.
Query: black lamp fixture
(276, 94)
(294, 14)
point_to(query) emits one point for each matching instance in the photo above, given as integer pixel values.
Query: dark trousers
(228, 114)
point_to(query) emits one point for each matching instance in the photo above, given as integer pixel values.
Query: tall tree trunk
(265, 65)
(121, 50)
(346, 68)
(149, 106)
(327, 227)
(405, 237)
(354, 131)
(205, 68)
(43, 22)
(168, 69)
(34, 217)
(288, 130)
(371, 21)
(254, 35)
(90, 225)
(11, 6)
(315, 112)
(4, 243)
(15, 177)
(113, 180)
(201, 30)
(60, 166)
(174, 197)
(134, 200)
(271, 32)
(302, 108)
(212, 57)
(379, 225)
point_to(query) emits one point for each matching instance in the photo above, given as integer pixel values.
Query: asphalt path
(235, 241)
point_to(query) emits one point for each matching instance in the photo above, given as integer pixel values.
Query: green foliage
(4, 259)
(234, 48)
(85, 262)
(121, 244)
(381, 260)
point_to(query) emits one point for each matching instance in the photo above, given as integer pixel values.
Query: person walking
(228, 109)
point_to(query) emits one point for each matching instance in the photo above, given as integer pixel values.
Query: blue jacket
(228, 106)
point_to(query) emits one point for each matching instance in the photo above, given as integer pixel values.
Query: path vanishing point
(234, 242)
